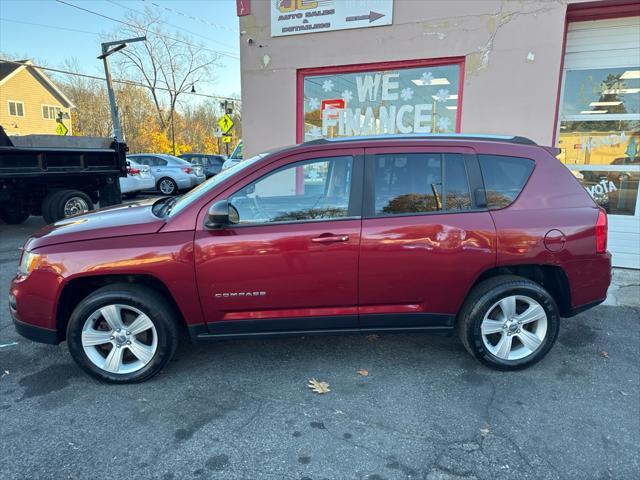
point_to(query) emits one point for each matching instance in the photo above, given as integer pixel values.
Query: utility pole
(117, 45)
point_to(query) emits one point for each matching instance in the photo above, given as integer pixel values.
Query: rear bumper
(583, 308)
(195, 181)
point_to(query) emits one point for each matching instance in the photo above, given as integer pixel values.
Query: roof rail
(428, 136)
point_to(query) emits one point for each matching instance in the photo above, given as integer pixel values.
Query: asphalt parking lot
(241, 409)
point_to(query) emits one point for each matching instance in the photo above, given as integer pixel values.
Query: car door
(425, 236)
(291, 261)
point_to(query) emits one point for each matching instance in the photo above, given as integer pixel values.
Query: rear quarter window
(504, 178)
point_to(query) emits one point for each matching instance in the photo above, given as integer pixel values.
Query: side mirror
(220, 214)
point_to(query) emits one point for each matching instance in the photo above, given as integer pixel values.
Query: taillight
(133, 171)
(186, 169)
(601, 232)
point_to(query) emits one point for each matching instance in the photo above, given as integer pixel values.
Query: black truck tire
(65, 203)
(13, 215)
(47, 206)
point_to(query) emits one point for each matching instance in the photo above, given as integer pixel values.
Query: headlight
(28, 262)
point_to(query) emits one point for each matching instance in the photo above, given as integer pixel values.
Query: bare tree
(168, 64)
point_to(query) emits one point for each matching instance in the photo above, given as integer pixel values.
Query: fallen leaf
(362, 372)
(318, 387)
(623, 393)
(373, 337)
(604, 354)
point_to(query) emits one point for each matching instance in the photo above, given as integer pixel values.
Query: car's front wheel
(508, 322)
(122, 333)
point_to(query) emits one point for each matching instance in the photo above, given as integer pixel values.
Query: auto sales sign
(294, 17)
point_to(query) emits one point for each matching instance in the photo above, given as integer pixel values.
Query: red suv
(486, 235)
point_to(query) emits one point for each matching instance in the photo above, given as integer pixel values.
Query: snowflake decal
(442, 95)
(347, 95)
(406, 94)
(327, 85)
(314, 104)
(314, 131)
(443, 124)
(426, 78)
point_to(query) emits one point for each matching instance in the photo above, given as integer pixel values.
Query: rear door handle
(330, 238)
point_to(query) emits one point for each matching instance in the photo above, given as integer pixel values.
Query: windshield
(188, 198)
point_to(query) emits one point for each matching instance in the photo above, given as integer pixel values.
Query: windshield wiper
(166, 207)
(160, 205)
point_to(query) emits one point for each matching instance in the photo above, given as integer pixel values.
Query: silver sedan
(170, 173)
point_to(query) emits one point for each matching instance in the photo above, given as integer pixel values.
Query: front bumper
(36, 334)
(33, 304)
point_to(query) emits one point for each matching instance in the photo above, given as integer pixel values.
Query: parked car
(212, 164)
(170, 173)
(490, 237)
(138, 178)
(234, 158)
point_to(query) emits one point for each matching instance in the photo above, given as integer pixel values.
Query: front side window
(418, 183)
(504, 177)
(16, 109)
(383, 101)
(311, 190)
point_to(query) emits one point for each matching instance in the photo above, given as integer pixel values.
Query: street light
(117, 46)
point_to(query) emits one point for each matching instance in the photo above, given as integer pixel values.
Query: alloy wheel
(514, 327)
(167, 187)
(119, 339)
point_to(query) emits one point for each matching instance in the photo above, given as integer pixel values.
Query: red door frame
(366, 67)
(583, 12)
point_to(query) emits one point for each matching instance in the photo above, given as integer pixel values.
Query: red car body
(389, 274)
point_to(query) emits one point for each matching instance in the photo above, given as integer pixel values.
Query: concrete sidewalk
(625, 288)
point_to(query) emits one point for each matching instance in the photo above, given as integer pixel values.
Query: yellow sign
(225, 123)
(61, 129)
(226, 139)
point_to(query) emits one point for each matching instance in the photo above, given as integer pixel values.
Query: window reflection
(400, 101)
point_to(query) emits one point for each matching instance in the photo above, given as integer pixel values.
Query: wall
(27, 88)
(504, 93)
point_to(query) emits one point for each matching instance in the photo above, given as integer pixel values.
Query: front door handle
(330, 238)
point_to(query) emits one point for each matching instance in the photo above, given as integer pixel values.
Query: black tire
(13, 215)
(168, 181)
(59, 200)
(483, 297)
(148, 301)
(47, 206)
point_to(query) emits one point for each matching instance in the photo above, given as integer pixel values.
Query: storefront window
(379, 102)
(599, 134)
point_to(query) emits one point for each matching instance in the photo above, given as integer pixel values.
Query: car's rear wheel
(123, 333)
(167, 186)
(508, 322)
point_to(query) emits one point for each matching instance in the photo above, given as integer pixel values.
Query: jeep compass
(490, 237)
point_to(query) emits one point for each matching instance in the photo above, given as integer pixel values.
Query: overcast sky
(63, 32)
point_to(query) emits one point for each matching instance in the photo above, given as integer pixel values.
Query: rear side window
(504, 178)
(418, 183)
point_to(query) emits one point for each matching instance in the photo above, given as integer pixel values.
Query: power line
(197, 19)
(175, 26)
(123, 81)
(147, 31)
(48, 26)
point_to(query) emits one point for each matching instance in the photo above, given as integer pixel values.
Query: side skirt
(295, 327)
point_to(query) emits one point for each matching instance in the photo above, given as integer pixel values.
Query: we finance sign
(294, 17)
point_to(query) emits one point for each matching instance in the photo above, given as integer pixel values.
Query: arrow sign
(372, 17)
